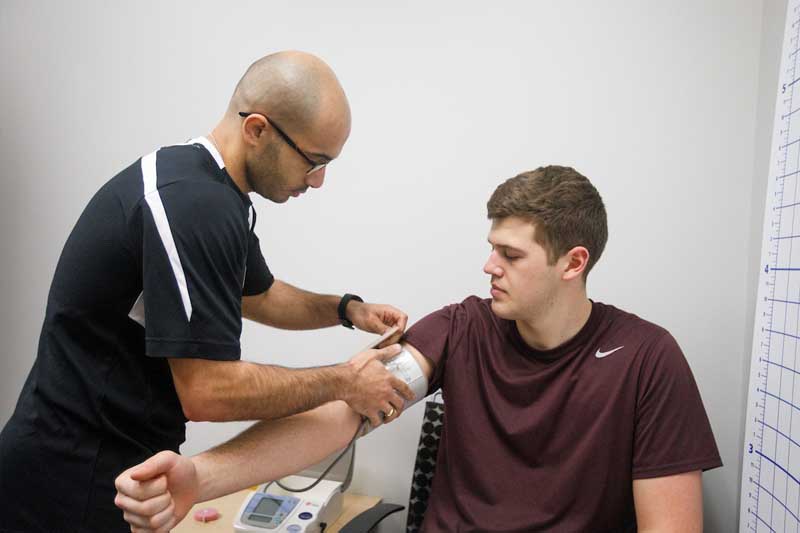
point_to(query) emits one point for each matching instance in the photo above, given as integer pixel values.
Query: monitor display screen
(268, 506)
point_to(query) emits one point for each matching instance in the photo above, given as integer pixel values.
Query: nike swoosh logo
(600, 354)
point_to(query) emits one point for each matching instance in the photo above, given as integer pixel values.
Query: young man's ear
(576, 261)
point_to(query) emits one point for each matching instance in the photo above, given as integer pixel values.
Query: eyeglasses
(314, 164)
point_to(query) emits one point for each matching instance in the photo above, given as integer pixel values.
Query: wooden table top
(228, 506)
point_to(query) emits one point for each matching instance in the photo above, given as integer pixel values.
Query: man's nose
(316, 179)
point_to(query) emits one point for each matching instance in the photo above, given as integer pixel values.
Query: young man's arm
(669, 504)
(157, 494)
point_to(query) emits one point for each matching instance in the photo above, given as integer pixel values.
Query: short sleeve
(257, 278)
(436, 336)
(195, 241)
(672, 431)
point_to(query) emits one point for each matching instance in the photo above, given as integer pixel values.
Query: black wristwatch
(341, 310)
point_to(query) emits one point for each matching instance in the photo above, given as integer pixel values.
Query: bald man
(143, 319)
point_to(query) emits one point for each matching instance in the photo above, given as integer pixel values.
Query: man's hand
(155, 495)
(375, 390)
(377, 318)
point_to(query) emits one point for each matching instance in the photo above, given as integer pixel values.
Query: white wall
(655, 101)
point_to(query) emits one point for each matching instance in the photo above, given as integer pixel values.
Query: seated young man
(563, 414)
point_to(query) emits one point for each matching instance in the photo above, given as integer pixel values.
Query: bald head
(296, 89)
(294, 120)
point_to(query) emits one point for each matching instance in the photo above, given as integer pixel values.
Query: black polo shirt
(155, 267)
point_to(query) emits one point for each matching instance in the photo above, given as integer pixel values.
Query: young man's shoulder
(628, 320)
(457, 319)
(473, 309)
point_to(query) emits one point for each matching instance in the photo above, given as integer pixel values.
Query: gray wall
(657, 102)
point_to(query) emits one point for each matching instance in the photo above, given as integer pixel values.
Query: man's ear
(253, 128)
(576, 261)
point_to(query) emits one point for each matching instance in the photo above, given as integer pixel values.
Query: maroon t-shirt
(552, 440)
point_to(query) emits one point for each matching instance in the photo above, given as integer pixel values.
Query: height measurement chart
(770, 500)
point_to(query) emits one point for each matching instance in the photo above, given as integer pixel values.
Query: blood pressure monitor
(273, 510)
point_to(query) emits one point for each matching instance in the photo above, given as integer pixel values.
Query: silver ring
(390, 413)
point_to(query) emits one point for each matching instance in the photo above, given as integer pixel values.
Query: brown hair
(564, 206)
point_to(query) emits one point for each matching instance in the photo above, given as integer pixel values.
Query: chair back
(427, 451)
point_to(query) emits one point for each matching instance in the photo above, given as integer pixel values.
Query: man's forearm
(271, 450)
(238, 390)
(287, 307)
